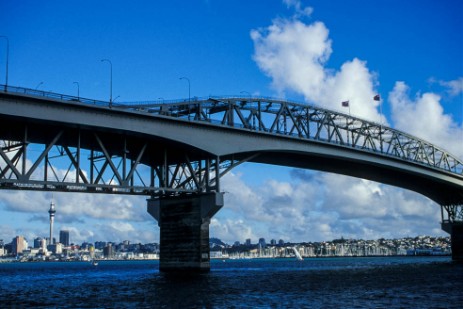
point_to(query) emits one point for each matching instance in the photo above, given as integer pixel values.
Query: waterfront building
(37, 242)
(19, 244)
(56, 248)
(108, 251)
(53, 241)
(262, 243)
(100, 245)
(64, 237)
(281, 242)
(273, 242)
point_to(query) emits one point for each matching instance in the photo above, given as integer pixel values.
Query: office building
(19, 244)
(64, 237)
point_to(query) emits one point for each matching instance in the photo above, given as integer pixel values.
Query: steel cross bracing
(452, 213)
(305, 122)
(55, 166)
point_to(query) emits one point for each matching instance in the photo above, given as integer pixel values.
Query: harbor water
(393, 282)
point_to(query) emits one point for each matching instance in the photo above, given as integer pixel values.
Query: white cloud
(454, 87)
(316, 206)
(424, 117)
(232, 230)
(294, 54)
(297, 6)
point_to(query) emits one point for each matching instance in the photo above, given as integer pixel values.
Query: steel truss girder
(57, 166)
(452, 213)
(306, 122)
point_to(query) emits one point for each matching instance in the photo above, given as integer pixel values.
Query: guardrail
(51, 95)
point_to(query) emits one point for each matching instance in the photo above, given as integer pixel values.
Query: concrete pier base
(184, 231)
(455, 229)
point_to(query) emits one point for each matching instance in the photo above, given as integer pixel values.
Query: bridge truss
(56, 166)
(302, 121)
(95, 163)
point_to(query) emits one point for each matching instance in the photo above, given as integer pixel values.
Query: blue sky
(322, 52)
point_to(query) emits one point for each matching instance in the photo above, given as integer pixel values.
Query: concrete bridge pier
(184, 230)
(452, 223)
(457, 241)
(455, 229)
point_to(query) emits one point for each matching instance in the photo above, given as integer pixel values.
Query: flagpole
(378, 98)
(348, 125)
(347, 104)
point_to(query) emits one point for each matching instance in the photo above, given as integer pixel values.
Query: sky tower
(51, 211)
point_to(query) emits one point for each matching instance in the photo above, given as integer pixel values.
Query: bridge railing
(51, 95)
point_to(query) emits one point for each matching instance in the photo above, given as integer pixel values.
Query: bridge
(175, 152)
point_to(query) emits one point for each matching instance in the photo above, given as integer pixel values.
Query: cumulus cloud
(299, 9)
(76, 204)
(424, 116)
(294, 55)
(454, 87)
(315, 206)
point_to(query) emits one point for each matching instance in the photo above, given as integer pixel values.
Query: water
(394, 282)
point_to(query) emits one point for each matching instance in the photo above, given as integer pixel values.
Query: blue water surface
(394, 282)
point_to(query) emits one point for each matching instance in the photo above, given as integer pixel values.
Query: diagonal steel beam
(108, 159)
(10, 164)
(43, 154)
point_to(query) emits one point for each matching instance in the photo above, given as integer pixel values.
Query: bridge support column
(184, 228)
(452, 223)
(455, 229)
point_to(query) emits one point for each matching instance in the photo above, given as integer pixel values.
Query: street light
(189, 96)
(111, 81)
(37, 87)
(188, 80)
(7, 55)
(78, 90)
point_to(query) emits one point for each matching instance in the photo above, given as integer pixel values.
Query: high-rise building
(19, 244)
(64, 237)
(52, 212)
(38, 242)
(262, 243)
(248, 242)
(108, 251)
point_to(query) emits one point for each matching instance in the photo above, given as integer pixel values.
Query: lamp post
(7, 56)
(111, 81)
(189, 94)
(78, 90)
(189, 88)
(37, 87)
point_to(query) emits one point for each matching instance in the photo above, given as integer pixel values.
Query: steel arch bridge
(55, 142)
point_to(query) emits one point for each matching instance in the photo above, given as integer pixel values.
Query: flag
(377, 97)
(345, 104)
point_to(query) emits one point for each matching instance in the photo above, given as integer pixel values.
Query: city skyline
(308, 51)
